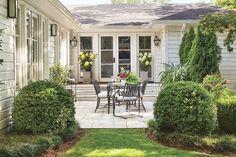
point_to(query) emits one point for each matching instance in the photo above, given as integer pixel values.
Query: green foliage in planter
(214, 84)
(226, 113)
(185, 107)
(132, 78)
(186, 45)
(205, 55)
(43, 107)
(58, 74)
(173, 74)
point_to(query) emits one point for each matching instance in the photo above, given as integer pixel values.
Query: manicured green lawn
(123, 143)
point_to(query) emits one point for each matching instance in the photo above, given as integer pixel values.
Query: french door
(115, 53)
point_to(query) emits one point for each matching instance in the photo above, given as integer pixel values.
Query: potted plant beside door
(86, 60)
(145, 62)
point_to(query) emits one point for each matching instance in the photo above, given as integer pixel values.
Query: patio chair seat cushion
(130, 98)
(121, 98)
(102, 94)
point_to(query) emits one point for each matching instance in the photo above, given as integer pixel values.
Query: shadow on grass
(123, 143)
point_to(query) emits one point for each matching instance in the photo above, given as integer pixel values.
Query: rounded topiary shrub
(185, 107)
(43, 107)
(226, 114)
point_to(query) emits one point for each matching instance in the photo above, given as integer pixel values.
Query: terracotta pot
(143, 75)
(87, 77)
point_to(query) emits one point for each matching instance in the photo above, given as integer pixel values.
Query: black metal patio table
(112, 89)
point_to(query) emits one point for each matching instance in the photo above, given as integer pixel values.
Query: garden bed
(225, 144)
(43, 145)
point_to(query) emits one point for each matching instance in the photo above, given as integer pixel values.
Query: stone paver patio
(101, 119)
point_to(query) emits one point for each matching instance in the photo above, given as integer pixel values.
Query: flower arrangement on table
(86, 60)
(123, 74)
(145, 60)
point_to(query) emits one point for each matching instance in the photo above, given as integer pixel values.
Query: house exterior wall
(50, 50)
(7, 70)
(157, 51)
(228, 63)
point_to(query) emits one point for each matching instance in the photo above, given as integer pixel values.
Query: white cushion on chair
(102, 94)
(130, 98)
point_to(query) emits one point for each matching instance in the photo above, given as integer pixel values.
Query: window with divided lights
(32, 29)
(106, 56)
(86, 45)
(145, 46)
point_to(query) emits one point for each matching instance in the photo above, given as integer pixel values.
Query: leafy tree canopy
(221, 23)
(231, 4)
(138, 1)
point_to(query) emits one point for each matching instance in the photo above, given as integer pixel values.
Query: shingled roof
(139, 14)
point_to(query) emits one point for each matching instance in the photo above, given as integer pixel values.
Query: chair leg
(98, 103)
(143, 104)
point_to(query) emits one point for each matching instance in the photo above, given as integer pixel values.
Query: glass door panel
(124, 52)
(106, 57)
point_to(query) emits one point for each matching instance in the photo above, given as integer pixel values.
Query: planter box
(143, 75)
(87, 77)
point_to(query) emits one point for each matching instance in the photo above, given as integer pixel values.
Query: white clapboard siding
(228, 63)
(7, 69)
(173, 42)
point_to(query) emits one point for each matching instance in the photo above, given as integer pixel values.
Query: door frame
(100, 56)
(115, 53)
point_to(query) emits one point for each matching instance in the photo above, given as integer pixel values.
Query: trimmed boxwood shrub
(185, 107)
(226, 114)
(43, 107)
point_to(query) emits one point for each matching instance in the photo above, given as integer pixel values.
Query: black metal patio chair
(100, 94)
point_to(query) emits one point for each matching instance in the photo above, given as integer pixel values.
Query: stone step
(93, 98)
(86, 92)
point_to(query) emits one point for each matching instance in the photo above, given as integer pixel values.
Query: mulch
(65, 146)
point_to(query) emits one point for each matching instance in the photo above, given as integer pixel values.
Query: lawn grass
(123, 143)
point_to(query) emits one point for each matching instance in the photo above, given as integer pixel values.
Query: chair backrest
(144, 86)
(96, 86)
(132, 90)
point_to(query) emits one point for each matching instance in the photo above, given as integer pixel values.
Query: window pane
(106, 57)
(86, 43)
(106, 71)
(28, 24)
(124, 56)
(35, 27)
(107, 43)
(124, 42)
(144, 42)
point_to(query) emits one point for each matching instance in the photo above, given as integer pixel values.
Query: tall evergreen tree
(205, 55)
(186, 45)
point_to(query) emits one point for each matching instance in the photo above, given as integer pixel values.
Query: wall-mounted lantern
(12, 9)
(73, 42)
(53, 29)
(157, 41)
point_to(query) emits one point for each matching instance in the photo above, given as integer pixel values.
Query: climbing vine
(221, 23)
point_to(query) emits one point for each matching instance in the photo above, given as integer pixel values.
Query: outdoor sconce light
(53, 29)
(73, 42)
(157, 41)
(12, 9)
